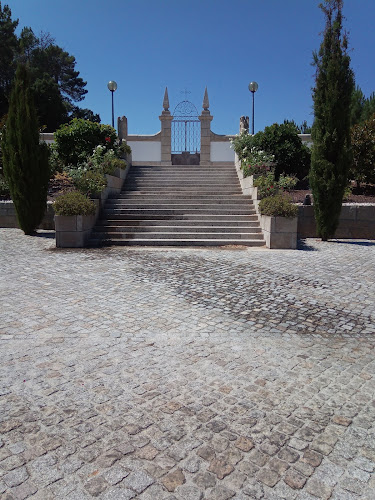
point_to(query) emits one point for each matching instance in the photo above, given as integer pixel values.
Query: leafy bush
(4, 186)
(287, 182)
(74, 203)
(255, 170)
(266, 184)
(243, 144)
(104, 161)
(88, 182)
(76, 141)
(278, 206)
(290, 155)
(363, 148)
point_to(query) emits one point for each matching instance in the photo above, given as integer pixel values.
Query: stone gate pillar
(122, 128)
(166, 127)
(205, 119)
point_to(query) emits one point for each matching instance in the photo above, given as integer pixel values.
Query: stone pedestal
(122, 128)
(166, 127)
(205, 119)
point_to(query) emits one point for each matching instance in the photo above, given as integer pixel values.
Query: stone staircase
(179, 206)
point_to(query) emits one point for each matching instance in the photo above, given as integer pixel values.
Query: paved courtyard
(186, 374)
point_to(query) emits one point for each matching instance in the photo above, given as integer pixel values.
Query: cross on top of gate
(186, 92)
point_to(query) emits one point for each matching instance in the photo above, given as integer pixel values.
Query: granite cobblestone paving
(232, 373)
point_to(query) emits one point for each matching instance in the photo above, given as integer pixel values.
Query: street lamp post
(253, 87)
(112, 86)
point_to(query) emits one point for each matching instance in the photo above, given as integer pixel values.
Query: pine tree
(331, 153)
(25, 160)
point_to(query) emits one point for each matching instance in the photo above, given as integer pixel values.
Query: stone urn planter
(279, 232)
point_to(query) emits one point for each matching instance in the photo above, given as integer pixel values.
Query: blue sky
(146, 45)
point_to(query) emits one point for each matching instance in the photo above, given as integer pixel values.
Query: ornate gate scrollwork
(186, 131)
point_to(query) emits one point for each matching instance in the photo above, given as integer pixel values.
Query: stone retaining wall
(8, 216)
(356, 221)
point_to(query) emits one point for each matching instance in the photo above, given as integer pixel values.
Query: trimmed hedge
(74, 203)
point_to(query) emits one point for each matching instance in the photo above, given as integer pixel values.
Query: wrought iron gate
(186, 130)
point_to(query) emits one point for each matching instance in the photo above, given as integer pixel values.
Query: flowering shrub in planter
(278, 205)
(74, 203)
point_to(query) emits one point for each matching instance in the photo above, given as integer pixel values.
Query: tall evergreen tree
(25, 160)
(331, 153)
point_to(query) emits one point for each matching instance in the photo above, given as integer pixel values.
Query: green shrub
(4, 186)
(88, 182)
(287, 182)
(104, 161)
(278, 205)
(363, 148)
(75, 141)
(266, 184)
(290, 155)
(74, 203)
(243, 144)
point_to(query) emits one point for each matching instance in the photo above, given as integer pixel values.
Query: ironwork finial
(166, 100)
(206, 103)
(186, 92)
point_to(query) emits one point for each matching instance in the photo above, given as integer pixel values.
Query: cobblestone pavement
(186, 374)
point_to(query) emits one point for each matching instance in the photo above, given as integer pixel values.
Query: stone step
(120, 205)
(183, 168)
(181, 183)
(187, 190)
(118, 228)
(185, 175)
(171, 235)
(177, 242)
(249, 222)
(177, 211)
(136, 195)
(187, 217)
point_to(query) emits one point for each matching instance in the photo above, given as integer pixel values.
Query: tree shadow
(362, 243)
(45, 234)
(302, 245)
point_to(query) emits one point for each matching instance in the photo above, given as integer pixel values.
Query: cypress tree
(331, 153)
(25, 160)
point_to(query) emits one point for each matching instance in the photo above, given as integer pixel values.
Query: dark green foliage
(76, 141)
(363, 146)
(331, 152)
(4, 186)
(8, 53)
(25, 161)
(278, 205)
(302, 129)
(74, 203)
(291, 156)
(88, 182)
(84, 113)
(56, 84)
(362, 108)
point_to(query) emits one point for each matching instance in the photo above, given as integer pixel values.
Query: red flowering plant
(257, 163)
(266, 184)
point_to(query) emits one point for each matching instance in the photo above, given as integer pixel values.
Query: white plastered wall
(221, 151)
(149, 151)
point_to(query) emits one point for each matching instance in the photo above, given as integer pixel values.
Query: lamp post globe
(112, 86)
(253, 87)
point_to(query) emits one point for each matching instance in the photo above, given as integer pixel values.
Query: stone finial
(166, 100)
(206, 103)
(244, 124)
